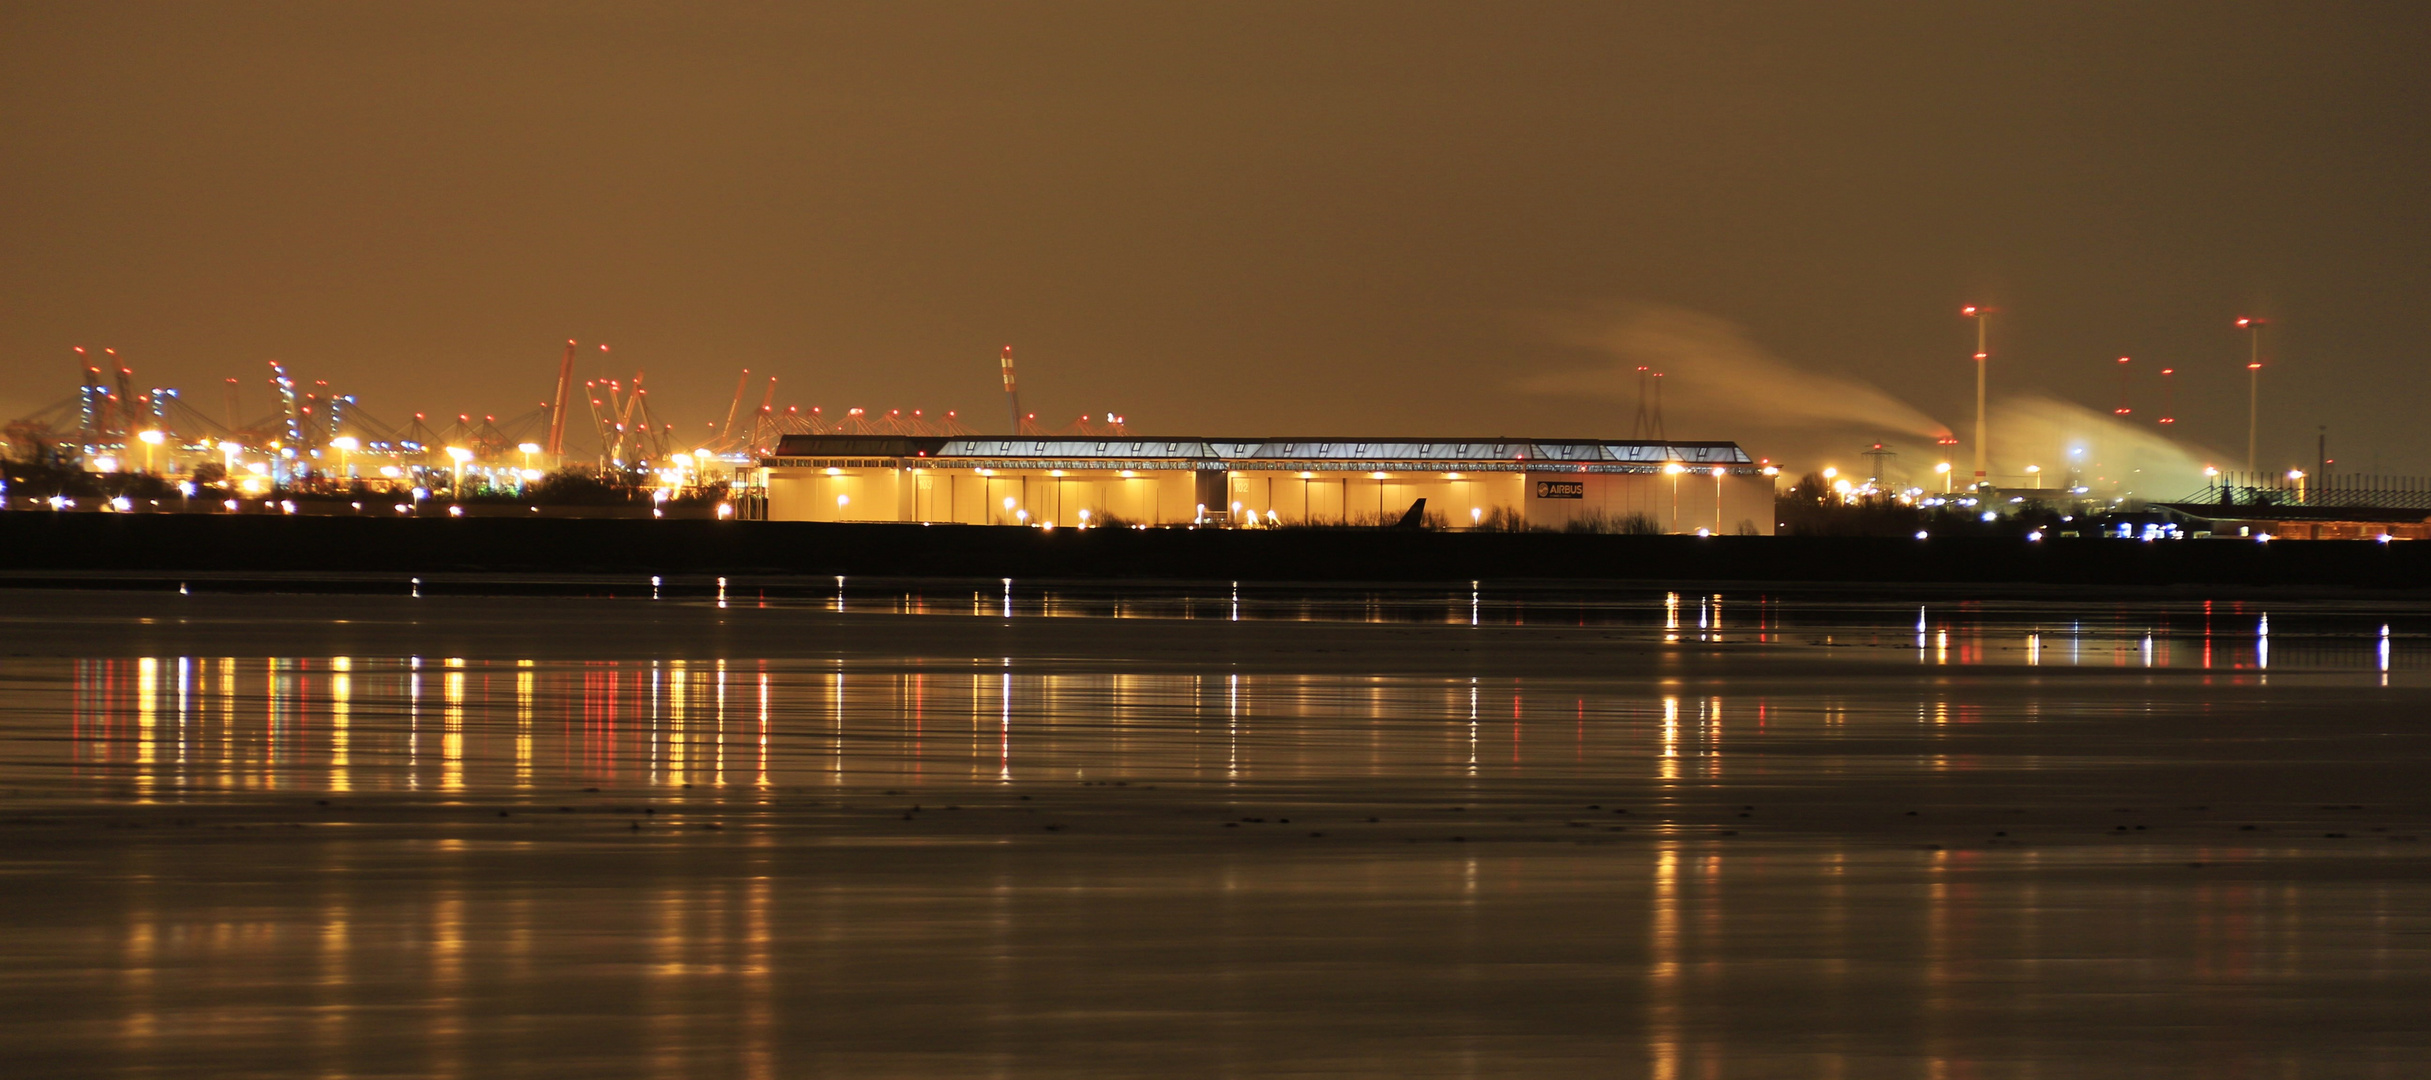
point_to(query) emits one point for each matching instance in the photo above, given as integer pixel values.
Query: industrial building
(1669, 487)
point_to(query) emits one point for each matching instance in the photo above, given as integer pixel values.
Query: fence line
(2358, 490)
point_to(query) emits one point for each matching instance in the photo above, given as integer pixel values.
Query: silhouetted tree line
(1811, 508)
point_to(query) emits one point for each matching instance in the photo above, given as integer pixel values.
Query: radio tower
(1641, 428)
(1983, 318)
(2253, 389)
(1012, 397)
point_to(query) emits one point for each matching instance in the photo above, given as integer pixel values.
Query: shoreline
(48, 549)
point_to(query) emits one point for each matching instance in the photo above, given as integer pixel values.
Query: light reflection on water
(349, 894)
(380, 723)
(163, 725)
(374, 724)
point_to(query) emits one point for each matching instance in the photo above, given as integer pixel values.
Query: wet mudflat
(941, 832)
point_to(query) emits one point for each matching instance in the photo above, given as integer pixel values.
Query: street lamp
(459, 455)
(344, 445)
(2036, 471)
(1718, 500)
(1674, 470)
(1983, 319)
(1944, 469)
(2253, 388)
(528, 449)
(151, 438)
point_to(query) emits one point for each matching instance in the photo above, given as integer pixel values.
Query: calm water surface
(946, 830)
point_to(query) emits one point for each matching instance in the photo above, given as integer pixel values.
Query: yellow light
(2038, 468)
(348, 443)
(153, 437)
(1451, 476)
(1379, 476)
(1675, 468)
(1943, 467)
(1055, 472)
(1308, 476)
(1008, 502)
(835, 472)
(1128, 474)
(105, 464)
(391, 472)
(530, 475)
(527, 448)
(843, 501)
(2295, 474)
(1830, 472)
(459, 453)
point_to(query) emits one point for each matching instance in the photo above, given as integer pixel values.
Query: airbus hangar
(1671, 487)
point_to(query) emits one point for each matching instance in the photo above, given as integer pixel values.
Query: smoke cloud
(1718, 383)
(2096, 449)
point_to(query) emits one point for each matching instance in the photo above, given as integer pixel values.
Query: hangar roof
(1250, 453)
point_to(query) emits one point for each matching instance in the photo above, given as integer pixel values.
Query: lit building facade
(1666, 487)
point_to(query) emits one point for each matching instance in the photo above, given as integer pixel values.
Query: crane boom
(557, 410)
(125, 402)
(767, 401)
(736, 406)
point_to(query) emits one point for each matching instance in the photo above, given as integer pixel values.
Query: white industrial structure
(1670, 487)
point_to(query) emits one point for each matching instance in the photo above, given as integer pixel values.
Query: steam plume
(1719, 383)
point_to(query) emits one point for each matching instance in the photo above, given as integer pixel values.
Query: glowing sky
(1391, 217)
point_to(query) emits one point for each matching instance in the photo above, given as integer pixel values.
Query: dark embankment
(31, 543)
